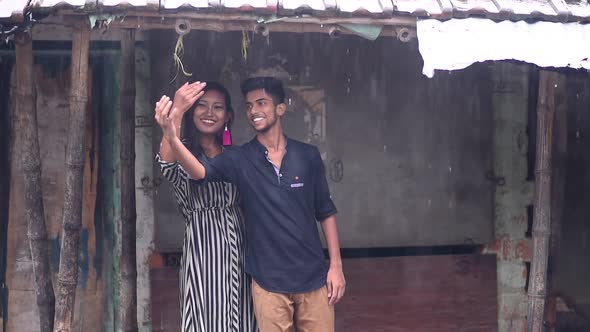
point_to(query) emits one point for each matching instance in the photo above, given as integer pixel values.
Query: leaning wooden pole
(559, 164)
(127, 280)
(72, 213)
(537, 292)
(31, 170)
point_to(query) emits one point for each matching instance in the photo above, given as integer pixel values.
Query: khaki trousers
(305, 312)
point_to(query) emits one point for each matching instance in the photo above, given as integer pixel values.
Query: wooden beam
(134, 16)
(228, 23)
(26, 113)
(229, 26)
(126, 319)
(72, 216)
(537, 293)
(52, 31)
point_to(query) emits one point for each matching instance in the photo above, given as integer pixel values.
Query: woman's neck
(209, 145)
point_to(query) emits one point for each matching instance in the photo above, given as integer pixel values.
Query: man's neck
(273, 139)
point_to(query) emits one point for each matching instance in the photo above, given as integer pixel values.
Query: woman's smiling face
(210, 113)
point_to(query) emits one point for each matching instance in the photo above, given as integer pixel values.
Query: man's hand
(336, 284)
(187, 95)
(164, 117)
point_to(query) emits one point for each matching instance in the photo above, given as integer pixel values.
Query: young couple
(266, 271)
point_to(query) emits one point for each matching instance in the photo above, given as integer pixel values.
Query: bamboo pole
(26, 113)
(72, 215)
(126, 319)
(559, 165)
(537, 293)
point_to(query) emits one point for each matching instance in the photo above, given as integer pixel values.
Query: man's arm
(189, 162)
(325, 213)
(335, 281)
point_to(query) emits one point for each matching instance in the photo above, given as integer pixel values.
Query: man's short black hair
(270, 85)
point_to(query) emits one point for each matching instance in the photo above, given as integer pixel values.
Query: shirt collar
(260, 147)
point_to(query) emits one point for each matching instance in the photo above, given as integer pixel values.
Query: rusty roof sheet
(551, 10)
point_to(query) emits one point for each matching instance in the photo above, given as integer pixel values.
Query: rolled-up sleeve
(323, 204)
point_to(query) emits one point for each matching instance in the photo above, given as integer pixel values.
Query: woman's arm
(184, 98)
(171, 144)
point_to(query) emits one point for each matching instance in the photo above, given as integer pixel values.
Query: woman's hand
(165, 118)
(187, 95)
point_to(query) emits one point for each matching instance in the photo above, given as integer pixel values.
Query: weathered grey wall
(406, 157)
(512, 196)
(145, 185)
(573, 270)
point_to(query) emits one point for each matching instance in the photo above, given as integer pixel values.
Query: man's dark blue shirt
(283, 250)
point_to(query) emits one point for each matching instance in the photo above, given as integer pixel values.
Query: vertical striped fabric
(214, 288)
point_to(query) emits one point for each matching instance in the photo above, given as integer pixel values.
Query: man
(285, 192)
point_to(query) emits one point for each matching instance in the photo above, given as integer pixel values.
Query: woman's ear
(229, 118)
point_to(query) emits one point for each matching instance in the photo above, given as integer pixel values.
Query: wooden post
(26, 113)
(126, 319)
(559, 165)
(72, 215)
(537, 293)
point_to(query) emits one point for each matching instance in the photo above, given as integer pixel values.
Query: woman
(214, 289)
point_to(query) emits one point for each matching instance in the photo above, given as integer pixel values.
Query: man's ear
(281, 109)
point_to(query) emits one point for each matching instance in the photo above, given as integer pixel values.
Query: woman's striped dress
(214, 288)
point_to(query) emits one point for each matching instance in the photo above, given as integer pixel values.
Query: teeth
(209, 121)
(257, 119)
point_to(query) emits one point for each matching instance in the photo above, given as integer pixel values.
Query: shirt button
(280, 175)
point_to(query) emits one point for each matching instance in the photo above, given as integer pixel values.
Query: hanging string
(177, 57)
(245, 45)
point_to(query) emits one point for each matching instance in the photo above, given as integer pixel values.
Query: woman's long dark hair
(190, 134)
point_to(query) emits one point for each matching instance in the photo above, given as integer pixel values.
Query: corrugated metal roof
(553, 10)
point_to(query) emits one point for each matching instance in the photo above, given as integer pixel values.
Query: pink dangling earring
(226, 136)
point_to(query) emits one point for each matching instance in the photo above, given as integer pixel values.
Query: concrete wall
(144, 182)
(108, 210)
(511, 246)
(406, 157)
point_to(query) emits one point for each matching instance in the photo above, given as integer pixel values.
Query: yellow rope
(245, 44)
(178, 53)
